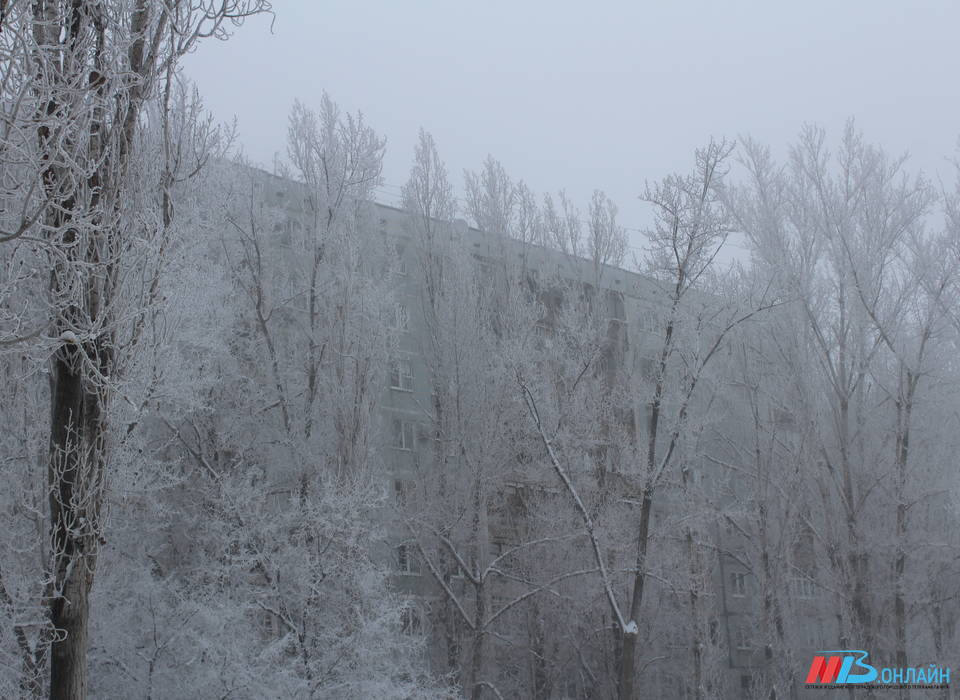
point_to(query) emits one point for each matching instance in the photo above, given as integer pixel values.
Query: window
(614, 303)
(411, 621)
(648, 417)
(401, 261)
(648, 321)
(804, 587)
(647, 366)
(743, 636)
(400, 318)
(694, 476)
(407, 560)
(403, 434)
(284, 227)
(401, 375)
(268, 624)
(401, 493)
(783, 418)
(486, 270)
(738, 584)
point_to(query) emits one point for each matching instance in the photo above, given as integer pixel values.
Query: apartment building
(632, 307)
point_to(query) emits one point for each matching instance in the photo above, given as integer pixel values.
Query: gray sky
(594, 95)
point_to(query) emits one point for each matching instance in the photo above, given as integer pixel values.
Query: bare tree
(564, 229)
(80, 76)
(692, 225)
(491, 197)
(606, 239)
(428, 199)
(844, 234)
(474, 311)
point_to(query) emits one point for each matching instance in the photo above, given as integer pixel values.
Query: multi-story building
(632, 308)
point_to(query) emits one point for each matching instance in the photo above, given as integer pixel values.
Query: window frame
(397, 365)
(401, 319)
(404, 435)
(412, 621)
(804, 588)
(407, 560)
(742, 637)
(402, 492)
(738, 584)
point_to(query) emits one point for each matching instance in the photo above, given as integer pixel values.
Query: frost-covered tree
(451, 530)
(672, 382)
(850, 237)
(465, 509)
(298, 506)
(85, 211)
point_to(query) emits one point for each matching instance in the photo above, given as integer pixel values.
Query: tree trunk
(478, 635)
(904, 414)
(629, 650)
(696, 643)
(33, 663)
(69, 614)
(643, 530)
(73, 503)
(541, 684)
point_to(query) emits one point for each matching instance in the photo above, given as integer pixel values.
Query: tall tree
(692, 226)
(845, 235)
(78, 78)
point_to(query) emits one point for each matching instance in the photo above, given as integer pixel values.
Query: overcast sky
(595, 94)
